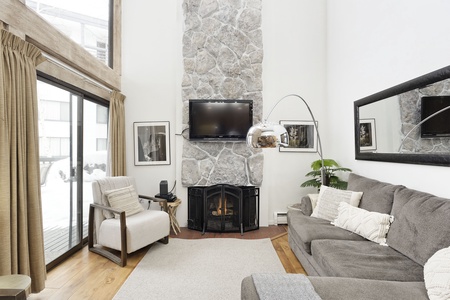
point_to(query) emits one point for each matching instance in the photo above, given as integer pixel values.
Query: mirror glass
(394, 126)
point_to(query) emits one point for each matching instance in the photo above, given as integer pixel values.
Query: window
(102, 144)
(55, 110)
(84, 21)
(54, 147)
(102, 115)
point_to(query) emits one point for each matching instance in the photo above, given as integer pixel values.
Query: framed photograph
(151, 143)
(367, 135)
(302, 136)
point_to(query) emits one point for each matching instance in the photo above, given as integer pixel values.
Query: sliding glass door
(95, 141)
(72, 150)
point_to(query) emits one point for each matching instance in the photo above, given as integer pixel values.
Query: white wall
(294, 62)
(150, 68)
(374, 45)
(294, 36)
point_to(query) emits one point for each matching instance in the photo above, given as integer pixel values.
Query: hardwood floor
(90, 276)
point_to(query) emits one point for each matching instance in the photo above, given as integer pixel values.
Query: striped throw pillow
(329, 199)
(124, 199)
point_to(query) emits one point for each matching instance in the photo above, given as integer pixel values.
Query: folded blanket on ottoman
(284, 286)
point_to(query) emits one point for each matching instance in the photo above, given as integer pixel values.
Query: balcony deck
(57, 240)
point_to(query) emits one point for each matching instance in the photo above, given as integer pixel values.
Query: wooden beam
(65, 75)
(117, 34)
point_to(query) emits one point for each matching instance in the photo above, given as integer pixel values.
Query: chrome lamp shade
(267, 135)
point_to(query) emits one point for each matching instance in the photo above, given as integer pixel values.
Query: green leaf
(331, 166)
(311, 182)
(342, 169)
(314, 173)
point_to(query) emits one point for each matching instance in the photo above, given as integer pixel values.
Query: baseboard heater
(279, 217)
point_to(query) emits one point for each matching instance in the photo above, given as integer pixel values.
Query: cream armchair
(118, 220)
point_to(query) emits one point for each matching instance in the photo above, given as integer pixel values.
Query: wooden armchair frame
(103, 251)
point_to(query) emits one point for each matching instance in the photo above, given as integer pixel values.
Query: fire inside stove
(223, 212)
(221, 207)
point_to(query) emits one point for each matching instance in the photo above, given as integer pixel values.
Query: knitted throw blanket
(284, 286)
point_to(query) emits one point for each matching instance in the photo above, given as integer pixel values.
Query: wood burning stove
(223, 208)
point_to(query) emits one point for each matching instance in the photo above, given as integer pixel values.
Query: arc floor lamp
(271, 135)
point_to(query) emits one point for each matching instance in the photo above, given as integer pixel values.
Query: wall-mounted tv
(220, 120)
(439, 125)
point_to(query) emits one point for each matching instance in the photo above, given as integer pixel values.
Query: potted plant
(332, 180)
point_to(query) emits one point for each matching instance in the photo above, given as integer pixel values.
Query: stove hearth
(223, 208)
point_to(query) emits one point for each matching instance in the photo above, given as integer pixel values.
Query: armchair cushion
(142, 229)
(100, 186)
(125, 199)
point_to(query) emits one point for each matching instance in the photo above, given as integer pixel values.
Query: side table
(172, 210)
(14, 286)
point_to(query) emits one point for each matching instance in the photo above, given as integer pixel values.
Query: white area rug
(199, 269)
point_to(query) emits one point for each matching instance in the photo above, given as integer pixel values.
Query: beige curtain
(21, 234)
(117, 164)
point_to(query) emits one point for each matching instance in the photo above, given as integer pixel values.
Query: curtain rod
(59, 63)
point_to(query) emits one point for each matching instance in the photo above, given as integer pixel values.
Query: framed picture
(302, 136)
(151, 143)
(367, 135)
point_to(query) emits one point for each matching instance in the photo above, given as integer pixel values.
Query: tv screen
(220, 119)
(438, 125)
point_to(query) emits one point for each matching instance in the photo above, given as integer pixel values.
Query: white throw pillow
(124, 199)
(437, 275)
(313, 198)
(106, 213)
(373, 226)
(329, 199)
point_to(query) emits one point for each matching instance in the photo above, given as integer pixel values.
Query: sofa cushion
(377, 196)
(338, 288)
(421, 225)
(305, 229)
(372, 225)
(329, 199)
(364, 259)
(305, 205)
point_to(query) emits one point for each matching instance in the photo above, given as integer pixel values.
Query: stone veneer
(223, 54)
(410, 116)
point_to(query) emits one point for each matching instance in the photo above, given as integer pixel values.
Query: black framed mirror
(389, 125)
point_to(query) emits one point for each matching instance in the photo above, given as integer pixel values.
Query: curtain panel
(116, 145)
(21, 230)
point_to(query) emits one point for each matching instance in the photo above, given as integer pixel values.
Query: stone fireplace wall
(222, 55)
(410, 116)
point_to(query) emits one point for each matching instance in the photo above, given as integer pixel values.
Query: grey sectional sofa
(343, 265)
